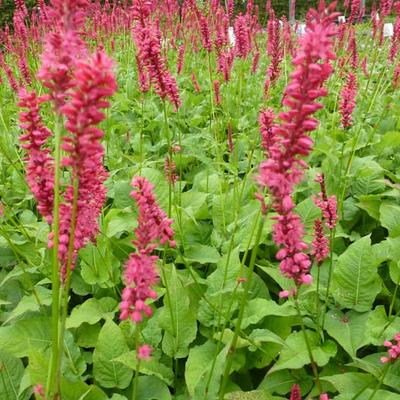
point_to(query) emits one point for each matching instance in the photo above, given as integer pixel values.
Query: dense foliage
(182, 271)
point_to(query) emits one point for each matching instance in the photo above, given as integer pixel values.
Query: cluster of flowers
(394, 350)
(328, 207)
(140, 270)
(286, 143)
(79, 85)
(151, 64)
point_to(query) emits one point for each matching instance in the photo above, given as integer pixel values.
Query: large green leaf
(350, 382)
(91, 311)
(198, 363)
(204, 369)
(355, 279)
(152, 388)
(30, 302)
(253, 395)
(110, 345)
(202, 254)
(177, 318)
(282, 381)
(11, 372)
(26, 335)
(349, 330)
(295, 355)
(390, 218)
(380, 327)
(259, 308)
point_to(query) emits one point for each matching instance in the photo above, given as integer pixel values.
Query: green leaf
(294, 354)
(308, 212)
(177, 318)
(194, 204)
(147, 367)
(152, 388)
(202, 254)
(11, 372)
(380, 327)
(356, 281)
(157, 178)
(30, 303)
(122, 198)
(111, 344)
(202, 374)
(349, 382)
(253, 395)
(25, 336)
(73, 363)
(281, 382)
(370, 205)
(97, 263)
(348, 329)
(80, 391)
(390, 218)
(91, 312)
(258, 308)
(198, 363)
(118, 221)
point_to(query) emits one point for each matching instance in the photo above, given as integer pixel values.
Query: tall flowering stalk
(141, 275)
(275, 50)
(150, 60)
(289, 142)
(148, 41)
(93, 82)
(396, 34)
(322, 248)
(347, 102)
(40, 164)
(242, 36)
(78, 87)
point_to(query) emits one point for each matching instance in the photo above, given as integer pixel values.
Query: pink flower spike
(295, 393)
(144, 352)
(288, 142)
(39, 390)
(324, 396)
(327, 205)
(140, 273)
(393, 351)
(320, 244)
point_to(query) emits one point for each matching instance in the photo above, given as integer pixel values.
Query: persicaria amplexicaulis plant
(289, 142)
(141, 274)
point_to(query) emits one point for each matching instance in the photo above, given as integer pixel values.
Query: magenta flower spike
(393, 349)
(289, 142)
(140, 270)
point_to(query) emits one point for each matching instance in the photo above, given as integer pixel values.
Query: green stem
(67, 281)
(52, 384)
(312, 361)
(394, 298)
(331, 237)
(211, 96)
(318, 300)
(232, 347)
(378, 386)
(167, 133)
(136, 378)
